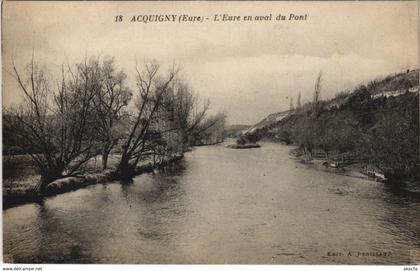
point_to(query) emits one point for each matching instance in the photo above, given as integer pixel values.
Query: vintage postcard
(201, 132)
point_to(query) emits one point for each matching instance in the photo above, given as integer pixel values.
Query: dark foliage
(382, 131)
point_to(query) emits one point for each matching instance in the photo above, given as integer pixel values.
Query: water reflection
(219, 206)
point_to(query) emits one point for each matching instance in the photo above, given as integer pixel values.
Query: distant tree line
(90, 110)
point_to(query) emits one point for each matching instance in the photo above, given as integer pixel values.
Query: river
(221, 206)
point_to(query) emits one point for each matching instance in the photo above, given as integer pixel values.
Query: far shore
(353, 170)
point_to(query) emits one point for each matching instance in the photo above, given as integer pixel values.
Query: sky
(248, 69)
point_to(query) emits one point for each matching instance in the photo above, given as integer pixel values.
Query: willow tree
(110, 102)
(190, 112)
(150, 93)
(55, 123)
(211, 130)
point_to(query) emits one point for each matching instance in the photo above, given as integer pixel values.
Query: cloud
(248, 69)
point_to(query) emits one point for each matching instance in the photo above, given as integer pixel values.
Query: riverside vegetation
(65, 124)
(374, 126)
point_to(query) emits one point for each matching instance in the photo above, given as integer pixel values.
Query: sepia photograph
(210, 132)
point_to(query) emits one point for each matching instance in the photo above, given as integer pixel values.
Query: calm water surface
(222, 206)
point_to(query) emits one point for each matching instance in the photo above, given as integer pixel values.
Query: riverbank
(19, 190)
(256, 203)
(356, 170)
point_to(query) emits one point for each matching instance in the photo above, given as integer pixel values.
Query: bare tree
(211, 130)
(190, 112)
(151, 91)
(56, 126)
(110, 104)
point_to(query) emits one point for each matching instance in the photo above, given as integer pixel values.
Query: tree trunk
(42, 184)
(48, 177)
(105, 155)
(125, 170)
(106, 150)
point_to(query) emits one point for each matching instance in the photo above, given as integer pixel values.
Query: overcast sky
(247, 69)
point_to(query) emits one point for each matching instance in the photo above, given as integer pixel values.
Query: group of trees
(90, 110)
(381, 131)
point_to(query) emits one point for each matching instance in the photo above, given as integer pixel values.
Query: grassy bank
(20, 177)
(355, 170)
(322, 163)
